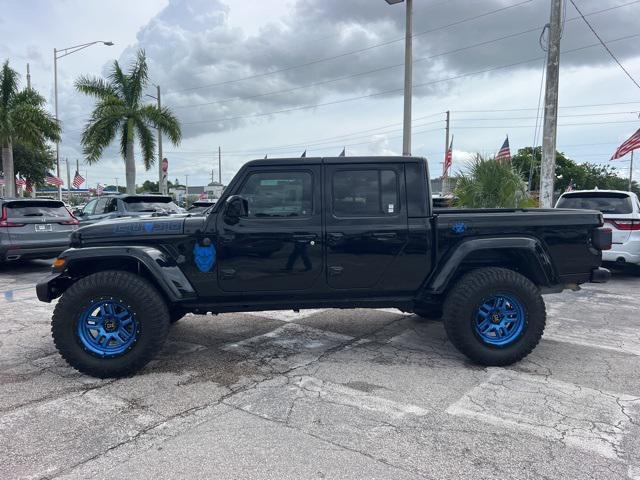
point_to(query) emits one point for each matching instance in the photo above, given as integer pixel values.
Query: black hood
(122, 228)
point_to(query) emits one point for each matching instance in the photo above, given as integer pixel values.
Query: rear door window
(37, 209)
(616, 203)
(150, 204)
(365, 193)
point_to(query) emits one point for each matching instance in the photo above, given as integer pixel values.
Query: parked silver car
(34, 228)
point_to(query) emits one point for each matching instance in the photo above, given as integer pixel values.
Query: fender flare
(531, 248)
(162, 267)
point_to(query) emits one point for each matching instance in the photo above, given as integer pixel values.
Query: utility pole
(28, 78)
(408, 77)
(117, 187)
(55, 99)
(219, 165)
(631, 171)
(445, 179)
(161, 185)
(549, 132)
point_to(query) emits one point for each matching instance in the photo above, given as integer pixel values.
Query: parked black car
(116, 206)
(34, 228)
(321, 232)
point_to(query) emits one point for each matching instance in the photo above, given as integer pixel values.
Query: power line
(563, 106)
(360, 50)
(385, 92)
(604, 44)
(459, 22)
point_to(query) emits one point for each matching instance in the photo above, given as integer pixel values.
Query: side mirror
(236, 207)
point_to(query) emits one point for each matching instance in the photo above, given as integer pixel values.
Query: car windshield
(37, 209)
(146, 204)
(605, 202)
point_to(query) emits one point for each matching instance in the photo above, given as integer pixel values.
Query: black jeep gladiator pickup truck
(320, 232)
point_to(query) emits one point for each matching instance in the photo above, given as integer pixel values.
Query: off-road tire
(142, 298)
(468, 294)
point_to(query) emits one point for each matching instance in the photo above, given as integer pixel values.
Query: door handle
(384, 235)
(228, 272)
(227, 239)
(304, 238)
(335, 271)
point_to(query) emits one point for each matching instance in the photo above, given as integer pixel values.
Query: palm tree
(490, 183)
(119, 111)
(22, 119)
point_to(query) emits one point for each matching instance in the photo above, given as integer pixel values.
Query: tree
(119, 111)
(489, 183)
(22, 119)
(584, 176)
(33, 163)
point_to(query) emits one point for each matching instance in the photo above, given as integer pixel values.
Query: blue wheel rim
(499, 320)
(107, 328)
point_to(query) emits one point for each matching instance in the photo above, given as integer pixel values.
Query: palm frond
(8, 84)
(147, 143)
(95, 87)
(120, 82)
(31, 122)
(99, 132)
(163, 119)
(138, 76)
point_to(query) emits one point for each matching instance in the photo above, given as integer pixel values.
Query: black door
(278, 245)
(366, 224)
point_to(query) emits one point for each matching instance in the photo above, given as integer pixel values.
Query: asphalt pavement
(327, 394)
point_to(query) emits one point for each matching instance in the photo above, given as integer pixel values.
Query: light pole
(408, 75)
(58, 54)
(161, 185)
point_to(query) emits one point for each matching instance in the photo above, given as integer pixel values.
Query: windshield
(151, 205)
(37, 209)
(605, 202)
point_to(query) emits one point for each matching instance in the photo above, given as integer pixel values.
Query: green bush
(488, 183)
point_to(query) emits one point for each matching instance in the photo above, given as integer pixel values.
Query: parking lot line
(625, 339)
(578, 416)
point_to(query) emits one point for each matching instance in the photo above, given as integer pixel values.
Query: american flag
(99, 189)
(77, 180)
(629, 145)
(448, 160)
(202, 196)
(504, 153)
(20, 182)
(570, 187)
(51, 179)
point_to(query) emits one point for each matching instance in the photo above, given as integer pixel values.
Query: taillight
(625, 224)
(72, 221)
(602, 238)
(4, 222)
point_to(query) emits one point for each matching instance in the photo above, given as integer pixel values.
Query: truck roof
(330, 160)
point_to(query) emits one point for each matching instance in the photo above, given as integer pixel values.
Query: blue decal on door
(204, 257)
(459, 227)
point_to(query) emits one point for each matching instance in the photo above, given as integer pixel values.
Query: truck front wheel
(110, 324)
(494, 316)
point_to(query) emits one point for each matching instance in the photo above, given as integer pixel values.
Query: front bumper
(600, 275)
(46, 288)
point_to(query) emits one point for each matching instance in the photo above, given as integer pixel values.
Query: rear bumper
(600, 275)
(623, 253)
(15, 252)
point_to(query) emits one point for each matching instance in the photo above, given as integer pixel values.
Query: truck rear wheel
(110, 324)
(494, 316)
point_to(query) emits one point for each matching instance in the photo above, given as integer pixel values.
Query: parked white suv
(621, 211)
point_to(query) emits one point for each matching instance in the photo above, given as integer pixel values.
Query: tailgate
(38, 223)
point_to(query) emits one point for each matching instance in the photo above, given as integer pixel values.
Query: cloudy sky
(277, 77)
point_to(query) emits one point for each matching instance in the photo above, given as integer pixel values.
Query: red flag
(20, 182)
(51, 179)
(629, 145)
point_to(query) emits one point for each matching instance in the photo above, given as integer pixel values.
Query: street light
(57, 54)
(408, 72)
(161, 186)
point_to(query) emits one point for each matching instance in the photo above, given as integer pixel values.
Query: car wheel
(494, 316)
(175, 314)
(110, 324)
